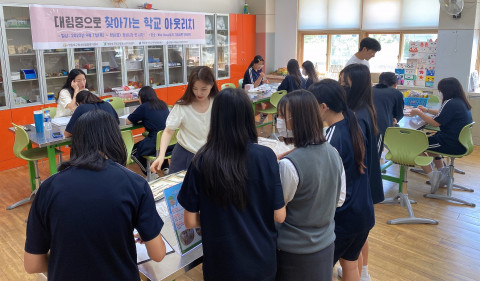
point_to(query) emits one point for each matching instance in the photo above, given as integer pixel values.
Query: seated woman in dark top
(308, 69)
(294, 80)
(87, 101)
(153, 114)
(388, 102)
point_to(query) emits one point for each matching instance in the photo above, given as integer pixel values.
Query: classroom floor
(447, 251)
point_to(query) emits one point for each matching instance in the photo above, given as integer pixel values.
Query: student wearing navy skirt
(152, 113)
(357, 81)
(294, 80)
(81, 223)
(453, 115)
(313, 181)
(232, 190)
(355, 218)
(388, 103)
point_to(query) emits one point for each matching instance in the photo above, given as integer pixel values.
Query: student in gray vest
(312, 178)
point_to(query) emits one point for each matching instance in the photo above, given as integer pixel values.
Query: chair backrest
(240, 83)
(433, 98)
(52, 110)
(116, 102)
(228, 85)
(128, 140)
(465, 138)
(21, 141)
(173, 140)
(276, 97)
(405, 145)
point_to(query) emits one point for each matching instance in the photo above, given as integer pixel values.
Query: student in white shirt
(368, 48)
(191, 115)
(76, 82)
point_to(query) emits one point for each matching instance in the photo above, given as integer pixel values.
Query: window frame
(361, 35)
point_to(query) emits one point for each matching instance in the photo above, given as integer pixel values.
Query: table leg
(31, 170)
(52, 161)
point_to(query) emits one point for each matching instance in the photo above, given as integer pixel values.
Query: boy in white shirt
(368, 48)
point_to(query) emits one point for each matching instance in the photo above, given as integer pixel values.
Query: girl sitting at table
(81, 223)
(312, 178)
(66, 98)
(232, 191)
(152, 113)
(355, 219)
(255, 76)
(453, 115)
(294, 79)
(309, 70)
(191, 116)
(86, 101)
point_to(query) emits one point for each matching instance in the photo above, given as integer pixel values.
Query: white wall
(207, 6)
(285, 31)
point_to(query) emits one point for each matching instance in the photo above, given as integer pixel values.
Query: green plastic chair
(465, 138)
(127, 137)
(404, 146)
(274, 99)
(228, 85)
(23, 150)
(116, 102)
(433, 98)
(240, 83)
(52, 110)
(150, 159)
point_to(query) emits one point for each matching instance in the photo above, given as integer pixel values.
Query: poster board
(187, 239)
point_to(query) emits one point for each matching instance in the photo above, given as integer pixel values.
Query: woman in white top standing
(191, 115)
(76, 81)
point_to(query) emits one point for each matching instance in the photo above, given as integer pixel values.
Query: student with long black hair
(355, 218)
(453, 115)
(254, 74)
(191, 116)
(388, 103)
(312, 180)
(294, 80)
(66, 103)
(87, 101)
(357, 81)
(153, 113)
(232, 191)
(81, 223)
(308, 69)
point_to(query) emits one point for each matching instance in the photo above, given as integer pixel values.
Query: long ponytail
(330, 92)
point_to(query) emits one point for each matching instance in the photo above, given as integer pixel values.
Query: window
(414, 37)
(342, 47)
(329, 14)
(387, 58)
(315, 50)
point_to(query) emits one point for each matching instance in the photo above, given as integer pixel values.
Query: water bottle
(245, 8)
(47, 120)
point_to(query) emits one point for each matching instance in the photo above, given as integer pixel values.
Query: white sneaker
(340, 272)
(435, 179)
(365, 277)
(445, 176)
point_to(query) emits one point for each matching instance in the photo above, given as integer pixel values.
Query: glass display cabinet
(175, 64)
(223, 46)
(3, 99)
(22, 59)
(156, 66)
(192, 57)
(134, 62)
(56, 71)
(208, 50)
(85, 59)
(111, 68)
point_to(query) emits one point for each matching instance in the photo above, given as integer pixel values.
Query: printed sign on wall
(58, 27)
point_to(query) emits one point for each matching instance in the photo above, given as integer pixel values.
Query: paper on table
(61, 121)
(277, 146)
(142, 254)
